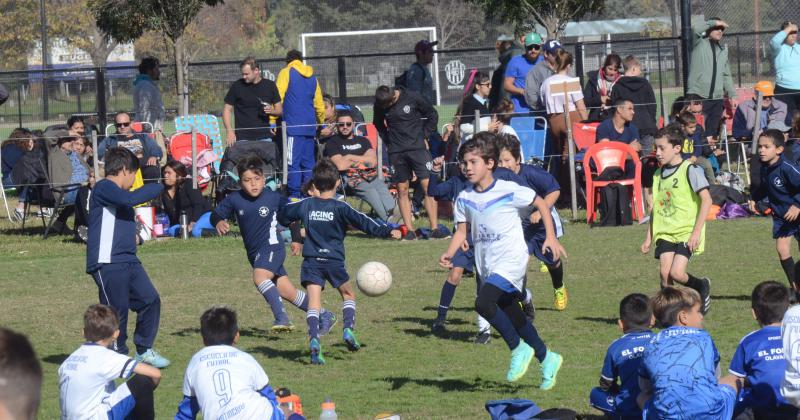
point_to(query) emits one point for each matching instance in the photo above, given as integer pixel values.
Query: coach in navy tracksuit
(111, 254)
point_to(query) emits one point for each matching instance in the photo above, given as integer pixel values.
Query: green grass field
(402, 367)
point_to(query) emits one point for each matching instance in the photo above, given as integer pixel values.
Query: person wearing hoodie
(147, 103)
(635, 88)
(505, 50)
(786, 51)
(303, 109)
(599, 86)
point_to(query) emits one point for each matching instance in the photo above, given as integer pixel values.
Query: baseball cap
(424, 45)
(552, 46)
(765, 87)
(504, 38)
(532, 38)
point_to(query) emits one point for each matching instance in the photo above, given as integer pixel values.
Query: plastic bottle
(184, 225)
(328, 411)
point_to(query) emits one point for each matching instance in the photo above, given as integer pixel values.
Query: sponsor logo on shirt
(320, 216)
(351, 146)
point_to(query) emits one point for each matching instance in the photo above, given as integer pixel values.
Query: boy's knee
(485, 307)
(601, 400)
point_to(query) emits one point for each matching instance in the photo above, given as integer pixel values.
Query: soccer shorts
(681, 248)
(783, 229)
(319, 270)
(270, 259)
(418, 162)
(465, 260)
(535, 243)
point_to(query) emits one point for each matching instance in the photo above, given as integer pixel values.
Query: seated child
(759, 357)
(619, 379)
(678, 371)
(224, 382)
(86, 378)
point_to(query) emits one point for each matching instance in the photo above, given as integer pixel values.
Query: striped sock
(312, 319)
(301, 300)
(349, 313)
(270, 292)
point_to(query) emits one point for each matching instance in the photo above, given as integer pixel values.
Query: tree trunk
(180, 77)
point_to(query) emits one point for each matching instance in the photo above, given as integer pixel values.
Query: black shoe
(410, 236)
(439, 233)
(483, 337)
(438, 326)
(705, 295)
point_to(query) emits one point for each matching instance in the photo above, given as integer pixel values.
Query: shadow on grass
(447, 334)
(452, 309)
(187, 332)
(55, 359)
(450, 385)
(610, 321)
(428, 322)
(745, 298)
(301, 356)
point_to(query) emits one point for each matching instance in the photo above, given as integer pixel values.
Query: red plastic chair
(584, 134)
(608, 154)
(180, 144)
(372, 135)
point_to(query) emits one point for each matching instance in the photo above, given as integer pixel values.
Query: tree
(126, 21)
(21, 20)
(72, 21)
(457, 22)
(552, 15)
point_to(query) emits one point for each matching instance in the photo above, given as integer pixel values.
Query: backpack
(402, 80)
(730, 179)
(615, 205)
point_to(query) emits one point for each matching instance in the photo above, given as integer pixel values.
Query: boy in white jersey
(224, 382)
(491, 208)
(86, 378)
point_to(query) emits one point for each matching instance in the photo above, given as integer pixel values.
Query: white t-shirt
(507, 129)
(790, 334)
(555, 103)
(86, 381)
(496, 229)
(226, 381)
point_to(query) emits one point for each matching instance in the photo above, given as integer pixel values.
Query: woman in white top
(555, 103)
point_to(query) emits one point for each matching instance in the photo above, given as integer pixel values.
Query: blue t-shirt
(606, 130)
(759, 358)
(622, 361)
(543, 183)
(680, 363)
(518, 68)
(257, 218)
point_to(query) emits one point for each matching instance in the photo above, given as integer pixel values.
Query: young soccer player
(759, 360)
(619, 379)
(256, 209)
(546, 187)
(680, 205)
(19, 396)
(491, 209)
(86, 378)
(223, 382)
(326, 220)
(790, 336)
(111, 258)
(678, 371)
(780, 182)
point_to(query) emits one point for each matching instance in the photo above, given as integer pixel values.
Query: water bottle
(328, 411)
(184, 225)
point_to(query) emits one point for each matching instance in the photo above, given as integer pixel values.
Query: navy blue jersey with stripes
(112, 223)
(781, 184)
(326, 222)
(449, 190)
(543, 183)
(257, 218)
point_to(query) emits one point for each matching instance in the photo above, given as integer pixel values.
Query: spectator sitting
(599, 86)
(76, 126)
(21, 387)
(140, 144)
(180, 196)
(695, 146)
(620, 128)
(786, 51)
(83, 148)
(67, 173)
(748, 113)
(478, 100)
(635, 88)
(328, 127)
(518, 67)
(355, 158)
(19, 142)
(501, 119)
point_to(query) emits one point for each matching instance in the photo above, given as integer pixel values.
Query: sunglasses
(122, 124)
(718, 28)
(793, 33)
(345, 124)
(533, 47)
(485, 84)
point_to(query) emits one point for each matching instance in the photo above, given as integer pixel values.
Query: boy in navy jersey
(326, 220)
(759, 358)
(111, 254)
(546, 187)
(780, 182)
(256, 210)
(619, 379)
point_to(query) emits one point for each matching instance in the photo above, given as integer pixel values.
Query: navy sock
(141, 349)
(530, 335)
(694, 283)
(788, 269)
(349, 313)
(503, 325)
(557, 275)
(445, 299)
(273, 298)
(301, 301)
(312, 319)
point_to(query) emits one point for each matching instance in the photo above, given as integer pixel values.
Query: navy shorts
(270, 259)
(465, 260)
(681, 248)
(319, 270)
(535, 242)
(782, 229)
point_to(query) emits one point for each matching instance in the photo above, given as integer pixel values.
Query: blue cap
(552, 46)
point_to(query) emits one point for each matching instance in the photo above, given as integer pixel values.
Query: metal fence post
(100, 81)
(476, 123)
(286, 153)
(739, 60)
(380, 157)
(756, 127)
(660, 77)
(579, 61)
(95, 155)
(19, 103)
(194, 157)
(341, 70)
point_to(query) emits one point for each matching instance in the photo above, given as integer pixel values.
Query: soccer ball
(374, 278)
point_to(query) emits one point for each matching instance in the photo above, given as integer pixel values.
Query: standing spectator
(255, 102)
(405, 120)
(147, 103)
(710, 73)
(21, 387)
(748, 113)
(418, 78)
(541, 71)
(144, 147)
(787, 67)
(505, 50)
(518, 68)
(556, 104)
(636, 89)
(328, 127)
(357, 161)
(600, 85)
(303, 109)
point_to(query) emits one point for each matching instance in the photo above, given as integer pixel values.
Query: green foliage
(126, 21)
(552, 15)
(20, 20)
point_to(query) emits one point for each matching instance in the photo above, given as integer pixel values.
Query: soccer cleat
(705, 295)
(543, 267)
(350, 339)
(410, 236)
(529, 310)
(316, 352)
(327, 320)
(281, 327)
(520, 360)
(560, 298)
(550, 367)
(483, 337)
(439, 233)
(438, 325)
(153, 358)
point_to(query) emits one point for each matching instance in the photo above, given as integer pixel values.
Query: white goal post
(430, 31)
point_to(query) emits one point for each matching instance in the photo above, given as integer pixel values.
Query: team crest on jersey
(263, 211)
(241, 212)
(778, 182)
(665, 207)
(407, 109)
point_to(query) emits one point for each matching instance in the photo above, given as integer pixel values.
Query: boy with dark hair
(624, 355)
(223, 382)
(20, 377)
(759, 358)
(111, 258)
(677, 223)
(780, 182)
(491, 208)
(326, 220)
(86, 378)
(678, 371)
(256, 210)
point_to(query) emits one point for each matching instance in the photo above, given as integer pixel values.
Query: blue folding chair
(532, 133)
